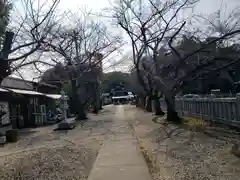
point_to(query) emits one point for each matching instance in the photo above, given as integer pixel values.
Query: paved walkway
(120, 158)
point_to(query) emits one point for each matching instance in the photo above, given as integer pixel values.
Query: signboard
(4, 107)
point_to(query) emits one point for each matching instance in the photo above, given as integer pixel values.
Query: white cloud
(204, 6)
(74, 5)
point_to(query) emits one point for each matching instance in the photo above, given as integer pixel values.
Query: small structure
(120, 95)
(17, 83)
(22, 106)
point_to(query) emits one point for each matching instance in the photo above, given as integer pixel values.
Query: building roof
(27, 92)
(54, 96)
(45, 84)
(18, 83)
(30, 92)
(3, 90)
(12, 82)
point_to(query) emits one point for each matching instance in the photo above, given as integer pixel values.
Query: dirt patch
(180, 153)
(45, 154)
(67, 162)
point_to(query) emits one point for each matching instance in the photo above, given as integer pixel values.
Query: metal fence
(222, 110)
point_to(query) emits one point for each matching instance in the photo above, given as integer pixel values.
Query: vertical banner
(4, 109)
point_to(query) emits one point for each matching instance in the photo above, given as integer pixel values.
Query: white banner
(4, 107)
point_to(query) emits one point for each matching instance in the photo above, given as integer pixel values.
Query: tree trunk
(1, 79)
(148, 105)
(95, 105)
(142, 102)
(157, 107)
(171, 112)
(96, 99)
(137, 102)
(78, 107)
(101, 104)
(4, 63)
(4, 70)
(74, 96)
(81, 114)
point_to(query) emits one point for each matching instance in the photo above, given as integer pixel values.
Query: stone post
(64, 105)
(238, 107)
(65, 124)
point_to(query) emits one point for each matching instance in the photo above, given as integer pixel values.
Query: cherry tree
(156, 29)
(29, 26)
(81, 45)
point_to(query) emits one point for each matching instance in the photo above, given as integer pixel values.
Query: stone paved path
(120, 158)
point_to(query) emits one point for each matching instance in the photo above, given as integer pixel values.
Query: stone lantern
(64, 105)
(65, 124)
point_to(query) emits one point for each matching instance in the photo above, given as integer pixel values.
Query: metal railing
(222, 110)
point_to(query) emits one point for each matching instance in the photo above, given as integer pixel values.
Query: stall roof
(53, 96)
(120, 97)
(3, 90)
(30, 92)
(27, 92)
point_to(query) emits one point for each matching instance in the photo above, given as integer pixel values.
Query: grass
(192, 123)
(191, 120)
(150, 163)
(158, 119)
(196, 124)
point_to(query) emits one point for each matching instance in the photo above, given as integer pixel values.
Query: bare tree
(147, 83)
(81, 46)
(29, 26)
(124, 17)
(145, 24)
(156, 32)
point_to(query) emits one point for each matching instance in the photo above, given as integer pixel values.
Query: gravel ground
(181, 154)
(43, 154)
